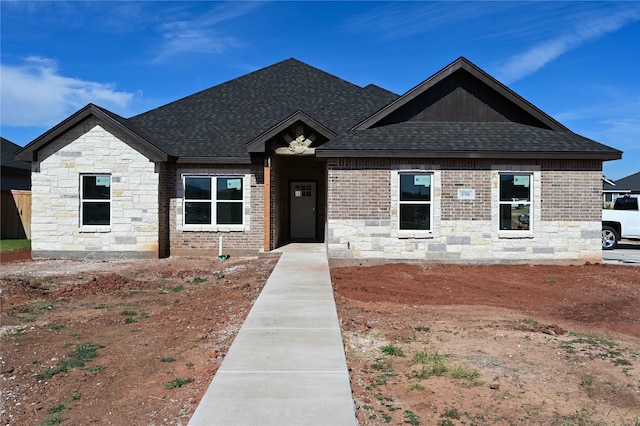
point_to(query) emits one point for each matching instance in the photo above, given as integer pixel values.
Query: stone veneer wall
(363, 215)
(203, 242)
(90, 148)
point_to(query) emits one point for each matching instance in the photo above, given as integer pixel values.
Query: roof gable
(258, 144)
(135, 140)
(461, 92)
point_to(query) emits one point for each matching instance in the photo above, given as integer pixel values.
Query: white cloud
(530, 61)
(199, 35)
(36, 94)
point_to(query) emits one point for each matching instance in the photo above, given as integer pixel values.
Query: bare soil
(492, 345)
(501, 345)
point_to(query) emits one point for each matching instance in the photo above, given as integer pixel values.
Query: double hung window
(213, 200)
(95, 200)
(515, 201)
(415, 201)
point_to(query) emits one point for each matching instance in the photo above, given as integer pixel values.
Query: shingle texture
(8, 159)
(220, 121)
(479, 137)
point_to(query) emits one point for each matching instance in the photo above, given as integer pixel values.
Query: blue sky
(577, 61)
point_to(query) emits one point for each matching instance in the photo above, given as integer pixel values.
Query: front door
(303, 210)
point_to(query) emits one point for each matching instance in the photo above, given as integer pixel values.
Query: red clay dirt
(517, 344)
(548, 345)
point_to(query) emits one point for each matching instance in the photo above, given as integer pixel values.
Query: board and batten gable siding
(204, 242)
(463, 231)
(93, 148)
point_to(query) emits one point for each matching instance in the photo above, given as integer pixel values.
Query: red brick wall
(359, 189)
(233, 242)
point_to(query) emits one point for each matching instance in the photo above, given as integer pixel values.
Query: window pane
(197, 213)
(415, 187)
(229, 189)
(515, 187)
(229, 214)
(197, 188)
(96, 187)
(95, 213)
(514, 217)
(415, 216)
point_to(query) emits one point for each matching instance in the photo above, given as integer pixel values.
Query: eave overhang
(468, 154)
(214, 160)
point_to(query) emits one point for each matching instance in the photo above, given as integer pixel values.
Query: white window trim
(214, 227)
(533, 213)
(95, 228)
(414, 233)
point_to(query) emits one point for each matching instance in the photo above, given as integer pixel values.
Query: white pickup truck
(621, 222)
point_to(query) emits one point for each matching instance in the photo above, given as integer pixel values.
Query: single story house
(624, 186)
(458, 169)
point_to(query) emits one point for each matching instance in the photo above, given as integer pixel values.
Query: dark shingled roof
(454, 139)
(8, 158)
(629, 183)
(220, 121)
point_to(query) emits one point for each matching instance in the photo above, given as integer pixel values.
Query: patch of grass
(416, 386)
(167, 359)
(56, 326)
(177, 382)
(551, 281)
(177, 288)
(451, 413)
(463, 373)
(77, 358)
(189, 365)
(95, 368)
(411, 418)
(218, 275)
(431, 364)
(586, 381)
(197, 280)
(133, 317)
(531, 322)
(423, 328)
(392, 350)
(56, 410)
(7, 246)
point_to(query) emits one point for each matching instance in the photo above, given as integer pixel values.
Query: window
(415, 201)
(211, 200)
(515, 202)
(95, 200)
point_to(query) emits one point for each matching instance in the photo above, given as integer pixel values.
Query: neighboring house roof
(8, 159)
(459, 112)
(630, 183)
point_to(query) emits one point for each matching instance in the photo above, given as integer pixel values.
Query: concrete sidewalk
(287, 365)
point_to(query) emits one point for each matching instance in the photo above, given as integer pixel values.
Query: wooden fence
(16, 214)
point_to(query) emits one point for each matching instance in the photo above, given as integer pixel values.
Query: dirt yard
(137, 343)
(492, 345)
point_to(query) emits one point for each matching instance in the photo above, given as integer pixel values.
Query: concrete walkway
(287, 365)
